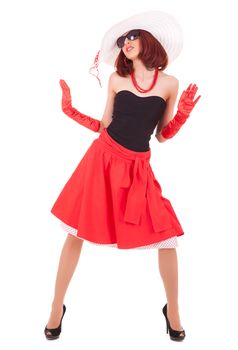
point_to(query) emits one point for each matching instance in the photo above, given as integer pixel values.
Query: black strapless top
(134, 119)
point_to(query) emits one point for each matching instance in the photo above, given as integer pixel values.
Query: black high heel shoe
(174, 335)
(54, 333)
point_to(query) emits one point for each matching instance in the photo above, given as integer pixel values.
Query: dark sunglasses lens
(120, 41)
(133, 34)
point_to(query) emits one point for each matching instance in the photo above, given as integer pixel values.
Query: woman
(113, 197)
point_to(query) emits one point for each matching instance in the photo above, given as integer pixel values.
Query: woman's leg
(168, 266)
(68, 261)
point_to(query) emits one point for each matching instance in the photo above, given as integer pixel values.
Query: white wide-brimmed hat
(163, 26)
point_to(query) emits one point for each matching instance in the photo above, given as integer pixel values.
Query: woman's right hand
(66, 102)
(69, 110)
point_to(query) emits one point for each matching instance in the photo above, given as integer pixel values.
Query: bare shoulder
(113, 76)
(120, 82)
(170, 80)
(171, 84)
(114, 79)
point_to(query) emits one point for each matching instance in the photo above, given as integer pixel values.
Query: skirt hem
(169, 242)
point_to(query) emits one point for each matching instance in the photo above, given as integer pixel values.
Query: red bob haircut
(152, 54)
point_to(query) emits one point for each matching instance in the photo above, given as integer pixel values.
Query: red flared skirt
(113, 198)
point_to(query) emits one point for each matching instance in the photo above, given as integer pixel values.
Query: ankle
(57, 304)
(172, 307)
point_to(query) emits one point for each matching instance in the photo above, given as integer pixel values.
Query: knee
(74, 240)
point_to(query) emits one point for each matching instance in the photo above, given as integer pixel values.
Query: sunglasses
(131, 35)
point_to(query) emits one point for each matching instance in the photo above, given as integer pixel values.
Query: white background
(115, 298)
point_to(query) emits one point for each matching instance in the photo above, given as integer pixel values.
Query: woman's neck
(141, 72)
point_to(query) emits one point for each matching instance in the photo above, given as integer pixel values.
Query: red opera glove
(70, 111)
(185, 107)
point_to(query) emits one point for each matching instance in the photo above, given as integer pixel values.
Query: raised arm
(89, 122)
(185, 106)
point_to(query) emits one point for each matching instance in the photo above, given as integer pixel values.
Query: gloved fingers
(190, 88)
(191, 91)
(196, 100)
(66, 96)
(66, 89)
(182, 96)
(63, 84)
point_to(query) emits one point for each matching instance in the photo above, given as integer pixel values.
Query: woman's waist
(112, 145)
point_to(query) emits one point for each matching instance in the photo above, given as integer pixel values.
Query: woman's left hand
(186, 103)
(185, 107)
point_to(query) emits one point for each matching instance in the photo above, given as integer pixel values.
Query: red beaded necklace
(140, 89)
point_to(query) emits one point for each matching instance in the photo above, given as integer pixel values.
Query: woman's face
(131, 48)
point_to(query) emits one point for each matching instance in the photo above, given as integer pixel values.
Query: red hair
(152, 54)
